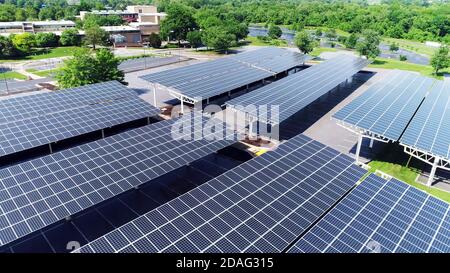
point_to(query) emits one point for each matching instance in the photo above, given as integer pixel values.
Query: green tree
(194, 38)
(274, 32)
(7, 48)
(351, 40)
(21, 15)
(154, 40)
(96, 36)
(393, 47)
(178, 22)
(318, 33)
(24, 42)
(218, 38)
(7, 12)
(239, 30)
(368, 44)
(46, 39)
(331, 34)
(31, 13)
(304, 42)
(440, 59)
(47, 14)
(70, 37)
(95, 20)
(107, 67)
(86, 68)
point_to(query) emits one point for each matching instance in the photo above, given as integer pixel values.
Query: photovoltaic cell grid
(429, 130)
(20, 108)
(387, 107)
(216, 77)
(260, 206)
(381, 216)
(25, 134)
(39, 192)
(296, 91)
(148, 62)
(272, 59)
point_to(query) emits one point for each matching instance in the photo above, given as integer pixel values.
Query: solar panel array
(296, 91)
(39, 192)
(24, 107)
(42, 119)
(209, 79)
(381, 216)
(387, 107)
(273, 59)
(429, 130)
(260, 206)
(148, 62)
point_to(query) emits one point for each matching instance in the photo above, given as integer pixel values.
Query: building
(142, 13)
(122, 36)
(142, 9)
(143, 20)
(126, 15)
(35, 27)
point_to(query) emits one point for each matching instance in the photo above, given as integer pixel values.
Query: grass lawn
(12, 75)
(45, 54)
(408, 175)
(418, 47)
(425, 70)
(44, 73)
(318, 50)
(254, 41)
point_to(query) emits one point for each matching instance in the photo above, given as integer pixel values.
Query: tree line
(21, 10)
(409, 19)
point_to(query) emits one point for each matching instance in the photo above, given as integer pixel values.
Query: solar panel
(296, 91)
(387, 107)
(24, 107)
(29, 133)
(39, 192)
(429, 130)
(273, 59)
(381, 216)
(259, 206)
(148, 62)
(209, 79)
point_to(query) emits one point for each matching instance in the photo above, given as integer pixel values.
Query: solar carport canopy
(39, 192)
(386, 108)
(36, 120)
(20, 108)
(272, 59)
(429, 130)
(385, 216)
(297, 91)
(262, 205)
(213, 78)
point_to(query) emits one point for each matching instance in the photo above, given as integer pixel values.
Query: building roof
(137, 24)
(119, 28)
(37, 23)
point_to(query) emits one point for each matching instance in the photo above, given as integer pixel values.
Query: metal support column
(182, 105)
(154, 95)
(50, 147)
(358, 147)
(103, 133)
(371, 143)
(250, 128)
(433, 171)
